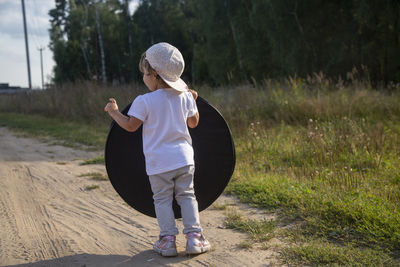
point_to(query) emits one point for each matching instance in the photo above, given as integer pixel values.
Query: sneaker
(166, 246)
(196, 243)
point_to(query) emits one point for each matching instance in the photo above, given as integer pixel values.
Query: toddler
(166, 112)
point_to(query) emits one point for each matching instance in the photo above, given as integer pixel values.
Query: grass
(95, 176)
(66, 132)
(91, 187)
(222, 206)
(340, 177)
(323, 253)
(321, 152)
(97, 160)
(259, 230)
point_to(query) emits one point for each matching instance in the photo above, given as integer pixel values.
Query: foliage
(228, 41)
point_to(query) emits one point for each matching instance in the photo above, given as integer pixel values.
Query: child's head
(166, 63)
(150, 77)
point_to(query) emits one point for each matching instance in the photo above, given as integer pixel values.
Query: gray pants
(163, 186)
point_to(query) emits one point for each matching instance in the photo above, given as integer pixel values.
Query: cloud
(13, 66)
(11, 18)
(11, 48)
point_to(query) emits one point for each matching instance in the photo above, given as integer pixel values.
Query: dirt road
(48, 217)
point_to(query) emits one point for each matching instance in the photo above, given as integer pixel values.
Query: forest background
(227, 41)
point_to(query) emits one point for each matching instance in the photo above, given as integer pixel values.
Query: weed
(96, 160)
(94, 176)
(91, 187)
(245, 244)
(221, 206)
(259, 231)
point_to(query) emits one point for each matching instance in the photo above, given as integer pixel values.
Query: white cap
(168, 62)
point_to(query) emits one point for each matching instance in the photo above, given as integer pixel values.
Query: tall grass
(293, 101)
(83, 102)
(324, 152)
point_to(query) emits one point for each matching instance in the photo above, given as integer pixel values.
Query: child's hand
(111, 106)
(194, 93)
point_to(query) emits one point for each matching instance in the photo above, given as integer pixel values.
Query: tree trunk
(235, 40)
(103, 64)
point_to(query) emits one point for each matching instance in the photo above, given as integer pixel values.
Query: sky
(13, 65)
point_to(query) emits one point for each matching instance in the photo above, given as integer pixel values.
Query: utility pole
(41, 63)
(26, 45)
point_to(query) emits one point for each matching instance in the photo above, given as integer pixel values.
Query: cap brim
(178, 85)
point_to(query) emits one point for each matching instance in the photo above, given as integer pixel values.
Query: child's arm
(193, 121)
(130, 124)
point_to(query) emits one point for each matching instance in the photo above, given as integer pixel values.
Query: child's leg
(162, 186)
(184, 194)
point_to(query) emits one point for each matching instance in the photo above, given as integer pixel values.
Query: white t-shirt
(167, 144)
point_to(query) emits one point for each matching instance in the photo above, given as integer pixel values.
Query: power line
(37, 30)
(33, 23)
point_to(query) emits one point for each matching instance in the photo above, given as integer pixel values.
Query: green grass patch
(67, 133)
(91, 187)
(323, 253)
(258, 230)
(94, 176)
(339, 177)
(222, 206)
(344, 188)
(97, 160)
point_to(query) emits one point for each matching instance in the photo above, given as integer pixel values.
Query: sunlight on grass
(67, 133)
(322, 253)
(258, 230)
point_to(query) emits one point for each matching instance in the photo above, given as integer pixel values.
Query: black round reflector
(214, 155)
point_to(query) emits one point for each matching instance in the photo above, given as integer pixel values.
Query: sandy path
(47, 218)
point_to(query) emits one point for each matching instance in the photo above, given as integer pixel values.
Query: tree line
(227, 41)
